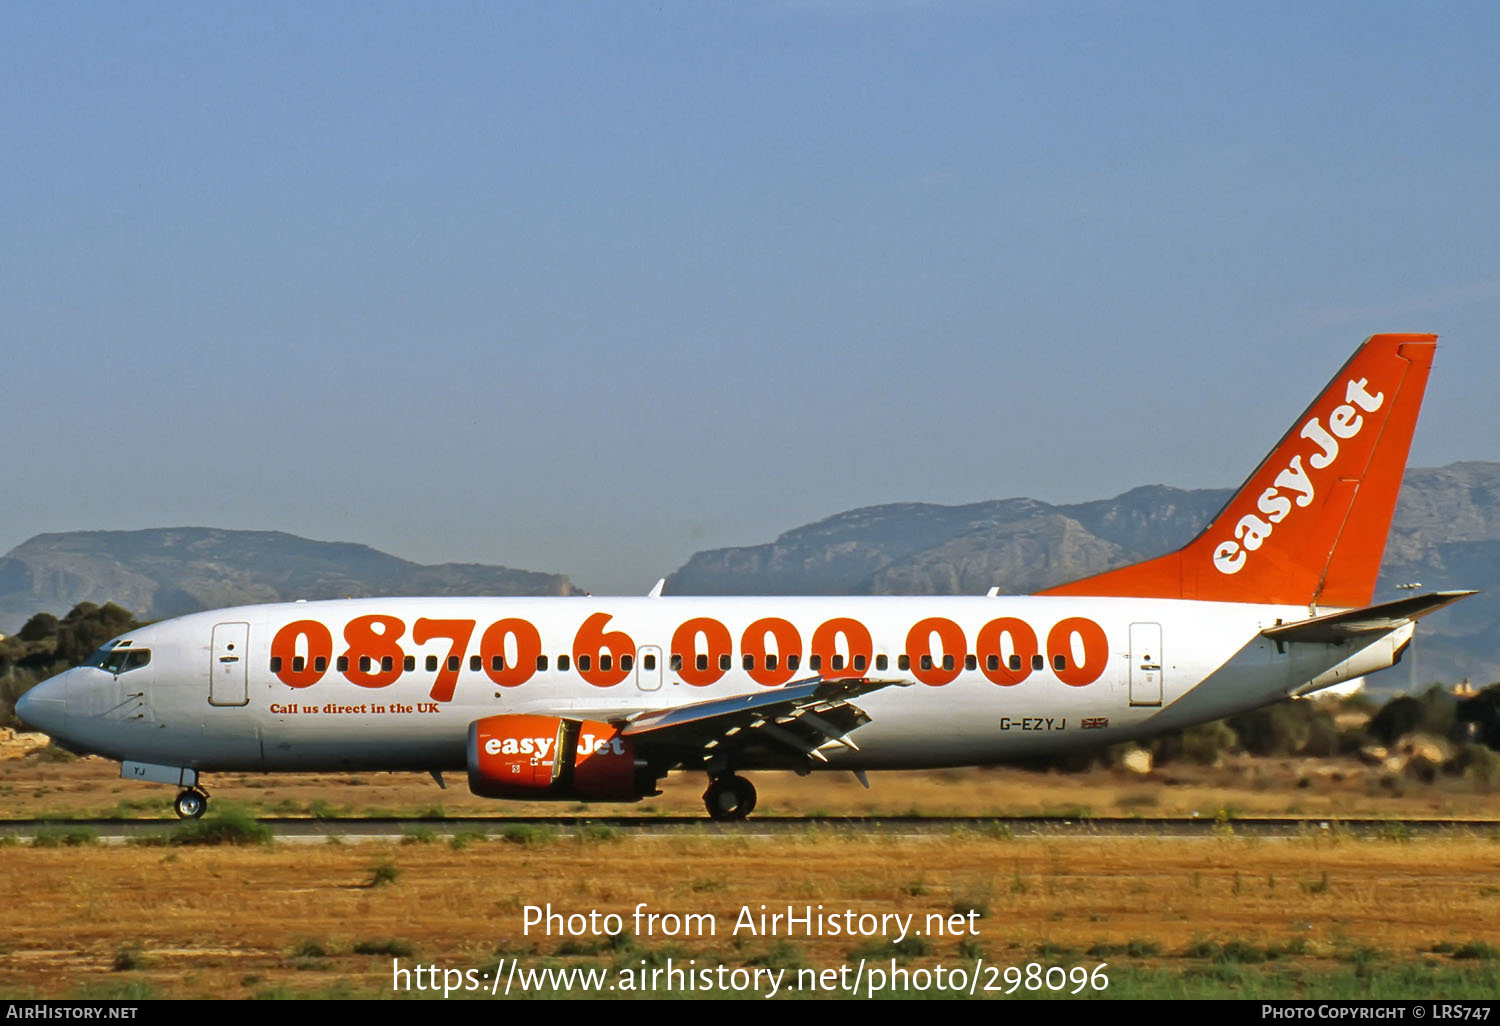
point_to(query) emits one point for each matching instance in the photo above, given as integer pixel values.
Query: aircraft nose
(43, 707)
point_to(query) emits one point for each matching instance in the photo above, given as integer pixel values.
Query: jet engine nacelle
(548, 757)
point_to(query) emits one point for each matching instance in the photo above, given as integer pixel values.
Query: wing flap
(798, 719)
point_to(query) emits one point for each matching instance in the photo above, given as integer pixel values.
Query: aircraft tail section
(1309, 525)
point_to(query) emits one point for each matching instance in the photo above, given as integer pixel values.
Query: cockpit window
(119, 660)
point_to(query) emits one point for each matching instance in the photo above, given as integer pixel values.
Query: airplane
(596, 699)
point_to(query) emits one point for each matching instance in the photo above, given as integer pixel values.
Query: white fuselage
(215, 696)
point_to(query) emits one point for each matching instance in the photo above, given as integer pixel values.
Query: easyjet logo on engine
(1293, 487)
(541, 747)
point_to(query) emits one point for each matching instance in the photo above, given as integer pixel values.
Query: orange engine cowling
(544, 757)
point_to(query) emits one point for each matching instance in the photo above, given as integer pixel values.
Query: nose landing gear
(191, 803)
(729, 797)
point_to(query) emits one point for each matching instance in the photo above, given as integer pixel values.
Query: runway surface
(352, 828)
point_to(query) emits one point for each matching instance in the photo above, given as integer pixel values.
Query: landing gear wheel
(729, 798)
(191, 804)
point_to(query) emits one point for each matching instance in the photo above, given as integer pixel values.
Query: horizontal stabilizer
(1371, 619)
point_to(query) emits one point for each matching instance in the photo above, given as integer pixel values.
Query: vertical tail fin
(1309, 525)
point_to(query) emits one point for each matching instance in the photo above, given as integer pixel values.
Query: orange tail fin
(1309, 525)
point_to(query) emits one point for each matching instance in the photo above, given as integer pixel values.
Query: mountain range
(166, 572)
(1446, 534)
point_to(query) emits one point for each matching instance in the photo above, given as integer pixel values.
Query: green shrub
(1476, 762)
(127, 957)
(461, 839)
(384, 872)
(64, 837)
(1204, 744)
(229, 825)
(1477, 950)
(310, 949)
(597, 832)
(392, 946)
(528, 835)
(52, 753)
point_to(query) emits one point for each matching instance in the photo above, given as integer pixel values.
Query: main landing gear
(191, 803)
(729, 797)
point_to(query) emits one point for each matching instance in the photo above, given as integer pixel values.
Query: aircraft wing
(1351, 623)
(787, 724)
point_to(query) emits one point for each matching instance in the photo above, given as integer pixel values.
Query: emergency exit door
(648, 668)
(1145, 664)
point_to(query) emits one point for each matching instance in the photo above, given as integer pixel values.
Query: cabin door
(229, 670)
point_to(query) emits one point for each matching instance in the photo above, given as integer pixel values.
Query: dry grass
(1245, 786)
(293, 918)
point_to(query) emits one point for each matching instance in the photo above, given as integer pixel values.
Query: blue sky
(588, 287)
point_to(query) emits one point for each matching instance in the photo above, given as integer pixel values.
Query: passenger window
(723, 662)
(321, 664)
(749, 662)
(838, 662)
(815, 663)
(903, 662)
(626, 662)
(606, 661)
(583, 664)
(541, 662)
(1059, 662)
(947, 662)
(432, 664)
(1038, 663)
(650, 662)
(881, 662)
(387, 663)
(971, 663)
(859, 663)
(927, 662)
(454, 662)
(562, 663)
(497, 663)
(475, 663)
(276, 664)
(793, 661)
(992, 663)
(770, 660)
(409, 663)
(1015, 661)
(298, 662)
(342, 664)
(676, 662)
(702, 661)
